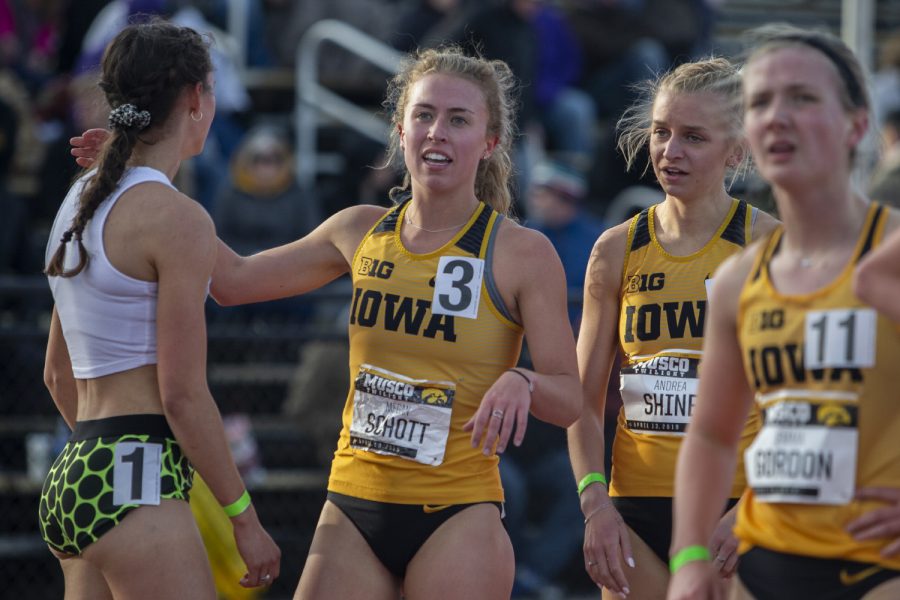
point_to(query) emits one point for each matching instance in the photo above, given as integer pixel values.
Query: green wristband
(238, 506)
(589, 479)
(688, 554)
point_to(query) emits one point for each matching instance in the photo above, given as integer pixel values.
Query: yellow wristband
(589, 479)
(688, 554)
(238, 506)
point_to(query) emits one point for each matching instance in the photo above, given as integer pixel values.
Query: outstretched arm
(294, 268)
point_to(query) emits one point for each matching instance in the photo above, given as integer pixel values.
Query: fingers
(521, 424)
(262, 575)
(606, 545)
(879, 493)
(891, 549)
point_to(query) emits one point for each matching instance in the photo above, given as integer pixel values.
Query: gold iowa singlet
(823, 367)
(429, 334)
(661, 321)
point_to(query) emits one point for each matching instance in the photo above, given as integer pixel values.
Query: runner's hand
(505, 406)
(879, 523)
(724, 545)
(607, 542)
(260, 553)
(86, 147)
(696, 580)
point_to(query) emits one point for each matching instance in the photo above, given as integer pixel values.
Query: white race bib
(457, 286)
(399, 416)
(136, 473)
(805, 452)
(658, 393)
(840, 338)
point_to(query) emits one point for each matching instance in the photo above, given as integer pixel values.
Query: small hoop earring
(196, 119)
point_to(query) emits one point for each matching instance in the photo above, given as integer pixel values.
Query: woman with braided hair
(129, 261)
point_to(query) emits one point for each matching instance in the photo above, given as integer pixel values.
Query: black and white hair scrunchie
(127, 116)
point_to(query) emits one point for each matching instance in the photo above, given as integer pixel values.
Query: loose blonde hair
(496, 81)
(717, 75)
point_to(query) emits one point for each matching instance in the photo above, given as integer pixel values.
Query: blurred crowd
(576, 61)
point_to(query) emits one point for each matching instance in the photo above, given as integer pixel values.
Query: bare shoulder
(764, 224)
(347, 227)
(516, 240)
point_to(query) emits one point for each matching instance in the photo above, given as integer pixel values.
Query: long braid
(110, 167)
(144, 70)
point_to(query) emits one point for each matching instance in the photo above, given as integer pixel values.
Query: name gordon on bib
(396, 415)
(806, 451)
(658, 393)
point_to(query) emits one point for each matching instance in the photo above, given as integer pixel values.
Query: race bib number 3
(399, 416)
(136, 473)
(457, 286)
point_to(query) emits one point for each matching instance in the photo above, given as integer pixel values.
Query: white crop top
(107, 317)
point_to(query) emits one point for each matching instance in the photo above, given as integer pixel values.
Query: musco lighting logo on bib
(806, 449)
(396, 415)
(658, 393)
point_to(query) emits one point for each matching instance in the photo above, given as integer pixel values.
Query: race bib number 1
(136, 473)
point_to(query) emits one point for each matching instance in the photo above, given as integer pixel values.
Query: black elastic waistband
(152, 425)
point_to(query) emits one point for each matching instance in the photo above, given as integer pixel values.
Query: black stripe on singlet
(870, 234)
(767, 254)
(471, 240)
(641, 231)
(391, 220)
(735, 231)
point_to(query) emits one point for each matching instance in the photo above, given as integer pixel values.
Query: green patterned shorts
(108, 468)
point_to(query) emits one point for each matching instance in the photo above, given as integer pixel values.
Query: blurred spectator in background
(209, 168)
(543, 515)
(556, 209)
(78, 104)
(567, 113)
(428, 23)
(260, 204)
(11, 205)
(886, 79)
(287, 22)
(29, 32)
(625, 42)
(502, 30)
(885, 183)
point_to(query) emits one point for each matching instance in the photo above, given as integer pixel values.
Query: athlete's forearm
(703, 479)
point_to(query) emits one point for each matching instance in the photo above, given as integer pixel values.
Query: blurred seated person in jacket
(260, 205)
(556, 209)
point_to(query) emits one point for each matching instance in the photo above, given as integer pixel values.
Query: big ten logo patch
(372, 267)
(767, 320)
(646, 282)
